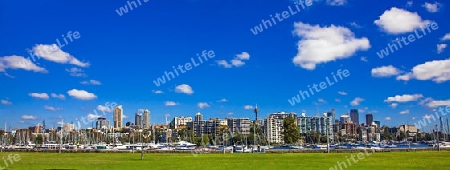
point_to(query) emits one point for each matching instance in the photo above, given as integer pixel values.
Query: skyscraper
(198, 117)
(354, 116)
(332, 114)
(118, 115)
(369, 119)
(138, 119)
(102, 123)
(146, 122)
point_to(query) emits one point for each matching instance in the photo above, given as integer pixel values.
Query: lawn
(393, 160)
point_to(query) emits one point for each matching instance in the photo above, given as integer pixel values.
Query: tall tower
(118, 115)
(198, 117)
(369, 119)
(354, 116)
(146, 123)
(138, 119)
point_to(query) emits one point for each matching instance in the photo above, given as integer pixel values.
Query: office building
(345, 118)
(378, 123)
(198, 117)
(138, 120)
(146, 121)
(354, 116)
(369, 119)
(239, 125)
(102, 123)
(118, 117)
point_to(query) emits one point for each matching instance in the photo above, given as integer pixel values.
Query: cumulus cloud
(437, 71)
(54, 53)
(385, 71)
(404, 112)
(184, 88)
(238, 61)
(223, 100)
(324, 44)
(158, 91)
(202, 105)
(446, 37)
(398, 21)
(432, 7)
(91, 82)
(28, 117)
(170, 103)
(91, 116)
(441, 47)
(394, 105)
(58, 96)
(39, 95)
(437, 103)
(342, 93)
(104, 109)
(248, 107)
(81, 94)
(356, 101)
(51, 108)
(404, 98)
(6, 102)
(387, 118)
(19, 62)
(76, 72)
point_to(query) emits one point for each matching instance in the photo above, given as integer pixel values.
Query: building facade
(146, 122)
(102, 123)
(118, 117)
(354, 116)
(180, 121)
(273, 126)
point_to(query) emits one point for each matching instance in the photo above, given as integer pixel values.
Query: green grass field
(393, 160)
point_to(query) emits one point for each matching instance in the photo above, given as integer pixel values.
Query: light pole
(254, 127)
(142, 143)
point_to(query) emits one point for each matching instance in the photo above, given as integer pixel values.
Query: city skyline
(214, 60)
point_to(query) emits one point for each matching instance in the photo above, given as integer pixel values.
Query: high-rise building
(378, 123)
(273, 126)
(198, 117)
(102, 123)
(332, 114)
(239, 125)
(146, 122)
(369, 119)
(180, 121)
(354, 115)
(318, 124)
(118, 117)
(138, 119)
(344, 118)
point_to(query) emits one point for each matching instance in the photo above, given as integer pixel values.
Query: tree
(291, 132)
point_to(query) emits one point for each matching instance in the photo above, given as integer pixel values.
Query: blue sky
(116, 58)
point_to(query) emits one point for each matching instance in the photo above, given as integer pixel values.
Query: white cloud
(76, 72)
(409, 3)
(19, 62)
(356, 101)
(394, 105)
(92, 82)
(324, 44)
(81, 94)
(91, 116)
(170, 103)
(39, 95)
(248, 107)
(441, 47)
(320, 100)
(398, 21)
(342, 93)
(104, 109)
(364, 59)
(223, 100)
(51, 108)
(404, 112)
(446, 37)
(28, 117)
(437, 103)
(337, 100)
(202, 105)
(427, 117)
(236, 62)
(125, 116)
(55, 54)
(404, 98)
(432, 7)
(58, 96)
(336, 2)
(6, 102)
(385, 71)
(158, 92)
(437, 71)
(184, 88)
(387, 118)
